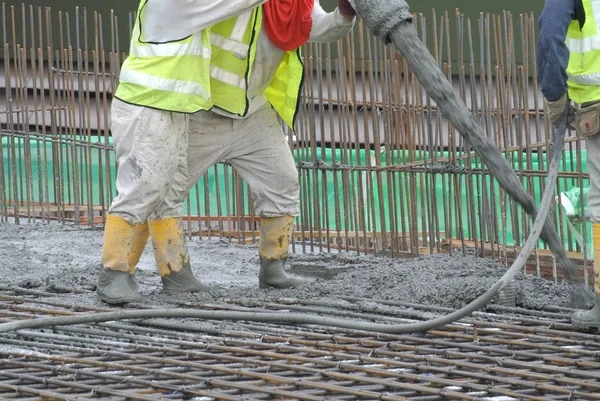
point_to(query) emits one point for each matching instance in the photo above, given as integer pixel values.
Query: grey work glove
(556, 109)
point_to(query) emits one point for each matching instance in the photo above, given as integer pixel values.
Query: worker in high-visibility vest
(202, 84)
(568, 61)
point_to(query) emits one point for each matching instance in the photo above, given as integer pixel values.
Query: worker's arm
(171, 20)
(552, 52)
(328, 27)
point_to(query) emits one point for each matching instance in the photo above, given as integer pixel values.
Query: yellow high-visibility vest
(584, 59)
(207, 69)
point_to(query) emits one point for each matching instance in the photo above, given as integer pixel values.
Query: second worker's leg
(273, 249)
(591, 318)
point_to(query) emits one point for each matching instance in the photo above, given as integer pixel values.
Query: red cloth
(288, 22)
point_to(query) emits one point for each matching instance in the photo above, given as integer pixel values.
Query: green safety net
(444, 196)
(437, 195)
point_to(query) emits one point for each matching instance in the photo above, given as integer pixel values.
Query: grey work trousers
(593, 166)
(163, 154)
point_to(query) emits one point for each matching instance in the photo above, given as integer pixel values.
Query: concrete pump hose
(299, 318)
(423, 66)
(391, 21)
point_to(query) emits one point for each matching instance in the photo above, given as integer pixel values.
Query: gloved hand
(556, 108)
(346, 9)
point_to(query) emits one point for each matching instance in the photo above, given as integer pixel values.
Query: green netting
(50, 175)
(438, 197)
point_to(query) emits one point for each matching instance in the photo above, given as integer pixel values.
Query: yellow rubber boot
(273, 249)
(171, 255)
(115, 284)
(141, 232)
(591, 318)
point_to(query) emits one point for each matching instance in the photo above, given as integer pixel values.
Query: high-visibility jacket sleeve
(552, 52)
(329, 27)
(172, 20)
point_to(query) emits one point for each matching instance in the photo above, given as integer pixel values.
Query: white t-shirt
(167, 21)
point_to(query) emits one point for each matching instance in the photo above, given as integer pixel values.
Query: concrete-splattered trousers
(593, 166)
(162, 154)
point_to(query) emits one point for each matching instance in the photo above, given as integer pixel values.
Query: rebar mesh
(524, 355)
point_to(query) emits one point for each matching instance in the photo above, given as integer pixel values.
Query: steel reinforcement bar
(493, 356)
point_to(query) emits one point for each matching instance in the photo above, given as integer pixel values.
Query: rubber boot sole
(297, 282)
(264, 286)
(118, 301)
(272, 270)
(587, 319)
(585, 325)
(581, 324)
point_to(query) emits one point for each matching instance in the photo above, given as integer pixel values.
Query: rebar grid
(525, 356)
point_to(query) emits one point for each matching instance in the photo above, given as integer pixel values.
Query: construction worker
(202, 84)
(568, 62)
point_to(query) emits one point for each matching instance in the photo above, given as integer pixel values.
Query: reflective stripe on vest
(241, 50)
(241, 24)
(584, 60)
(227, 77)
(163, 84)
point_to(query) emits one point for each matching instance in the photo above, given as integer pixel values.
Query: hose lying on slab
(300, 318)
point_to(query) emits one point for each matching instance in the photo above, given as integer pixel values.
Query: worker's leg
(591, 318)
(115, 284)
(177, 277)
(147, 144)
(204, 143)
(172, 257)
(168, 234)
(263, 159)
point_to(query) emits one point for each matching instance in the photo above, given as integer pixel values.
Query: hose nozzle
(382, 16)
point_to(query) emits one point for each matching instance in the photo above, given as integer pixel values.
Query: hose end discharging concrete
(382, 16)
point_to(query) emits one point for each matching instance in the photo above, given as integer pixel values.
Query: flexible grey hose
(417, 55)
(424, 67)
